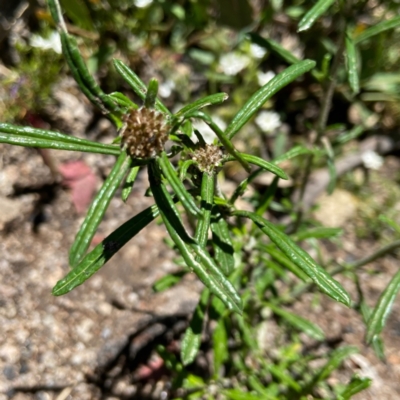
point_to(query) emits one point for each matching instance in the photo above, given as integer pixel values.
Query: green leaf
(299, 257)
(33, 137)
(377, 29)
(168, 281)
(129, 181)
(355, 386)
(220, 346)
(222, 244)
(313, 14)
(318, 233)
(335, 360)
(82, 76)
(236, 394)
(171, 176)
(298, 322)
(78, 12)
(192, 339)
(267, 197)
(352, 65)
(377, 320)
(266, 92)
(274, 47)
(395, 226)
(104, 251)
(281, 373)
(206, 269)
(97, 209)
(151, 95)
(207, 195)
(123, 100)
(294, 152)
(137, 85)
(201, 103)
(259, 162)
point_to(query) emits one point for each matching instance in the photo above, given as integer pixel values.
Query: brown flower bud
(145, 133)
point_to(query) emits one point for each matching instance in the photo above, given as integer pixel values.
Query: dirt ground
(96, 342)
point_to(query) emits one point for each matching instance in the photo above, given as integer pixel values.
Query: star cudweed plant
(190, 182)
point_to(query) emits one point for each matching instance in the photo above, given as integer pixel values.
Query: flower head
(145, 133)
(372, 160)
(264, 77)
(257, 51)
(208, 157)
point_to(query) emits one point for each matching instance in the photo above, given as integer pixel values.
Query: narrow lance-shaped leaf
(98, 209)
(377, 29)
(201, 103)
(184, 196)
(267, 91)
(274, 47)
(33, 137)
(352, 64)
(137, 85)
(207, 195)
(222, 244)
(104, 251)
(298, 322)
(355, 386)
(151, 95)
(313, 14)
(78, 67)
(130, 180)
(220, 346)
(377, 320)
(299, 257)
(192, 338)
(205, 268)
(262, 164)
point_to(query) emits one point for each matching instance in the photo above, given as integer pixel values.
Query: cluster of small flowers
(268, 121)
(145, 133)
(208, 157)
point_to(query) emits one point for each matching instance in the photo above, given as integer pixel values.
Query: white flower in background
(208, 134)
(165, 89)
(264, 77)
(257, 51)
(233, 63)
(372, 160)
(53, 42)
(142, 3)
(268, 121)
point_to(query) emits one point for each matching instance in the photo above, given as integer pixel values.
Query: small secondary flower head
(145, 133)
(208, 157)
(264, 77)
(268, 121)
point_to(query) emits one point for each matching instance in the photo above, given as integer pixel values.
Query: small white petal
(268, 121)
(53, 42)
(257, 51)
(142, 3)
(264, 77)
(233, 63)
(372, 160)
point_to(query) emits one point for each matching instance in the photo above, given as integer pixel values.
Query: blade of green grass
(313, 14)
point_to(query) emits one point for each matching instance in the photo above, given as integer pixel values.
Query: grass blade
(377, 320)
(267, 91)
(313, 14)
(104, 251)
(299, 257)
(98, 209)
